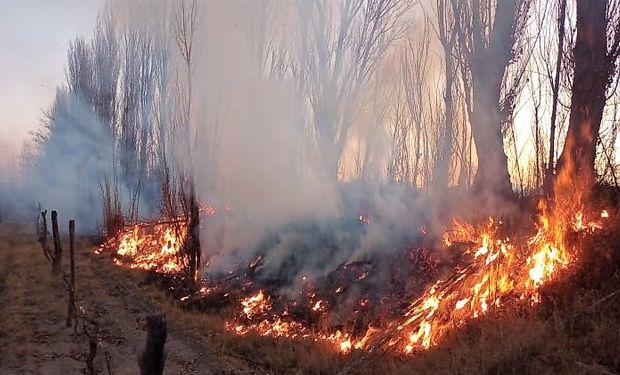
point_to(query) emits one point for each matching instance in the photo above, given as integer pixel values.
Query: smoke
(272, 94)
(256, 161)
(250, 141)
(75, 151)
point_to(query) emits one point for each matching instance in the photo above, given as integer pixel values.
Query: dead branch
(93, 341)
(92, 346)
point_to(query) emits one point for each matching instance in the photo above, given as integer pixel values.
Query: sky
(34, 37)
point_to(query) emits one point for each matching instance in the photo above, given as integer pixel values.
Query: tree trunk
(195, 251)
(441, 174)
(492, 174)
(592, 71)
(556, 86)
(488, 66)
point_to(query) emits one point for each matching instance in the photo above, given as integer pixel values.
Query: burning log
(151, 360)
(56, 259)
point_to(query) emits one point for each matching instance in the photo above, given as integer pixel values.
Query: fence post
(151, 360)
(43, 237)
(57, 247)
(71, 313)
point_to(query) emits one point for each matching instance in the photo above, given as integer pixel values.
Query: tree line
(427, 94)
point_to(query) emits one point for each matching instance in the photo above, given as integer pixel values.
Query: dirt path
(33, 335)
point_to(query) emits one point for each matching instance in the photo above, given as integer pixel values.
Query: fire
(149, 246)
(319, 306)
(256, 304)
(495, 270)
(492, 269)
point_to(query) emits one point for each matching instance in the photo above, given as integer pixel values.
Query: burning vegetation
(150, 246)
(490, 268)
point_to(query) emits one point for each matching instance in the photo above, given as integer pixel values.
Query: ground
(34, 338)
(575, 330)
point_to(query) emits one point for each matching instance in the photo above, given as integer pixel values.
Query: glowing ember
(364, 219)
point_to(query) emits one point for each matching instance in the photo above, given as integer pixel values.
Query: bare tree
(399, 169)
(595, 55)
(536, 93)
(185, 25)
(414, 73)
(561, 28)
(490, 37)
(341, 44)
(447, 33)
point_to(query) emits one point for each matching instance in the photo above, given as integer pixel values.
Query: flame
(256, 304)
(319, 306)
(149, 246)
(495, 270)
(492, 270)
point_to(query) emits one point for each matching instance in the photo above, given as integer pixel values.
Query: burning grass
(148, 246)
(492, 269)
(567, 324)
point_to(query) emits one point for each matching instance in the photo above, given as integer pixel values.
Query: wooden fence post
(151, 360)
(57, 247)
(43, 237)
(71, 312)
(92, 348)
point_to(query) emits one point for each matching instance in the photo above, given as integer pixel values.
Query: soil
(34, 338)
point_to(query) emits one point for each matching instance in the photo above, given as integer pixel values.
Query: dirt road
(33, 304)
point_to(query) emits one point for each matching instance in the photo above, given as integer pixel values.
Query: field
(575, 330)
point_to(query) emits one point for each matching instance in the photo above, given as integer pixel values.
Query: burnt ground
(33, 305)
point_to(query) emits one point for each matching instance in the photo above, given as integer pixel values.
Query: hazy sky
(34, 36)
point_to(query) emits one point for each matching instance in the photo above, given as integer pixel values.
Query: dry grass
(32, 303)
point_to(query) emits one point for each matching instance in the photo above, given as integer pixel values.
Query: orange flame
(495, 272)
(147, 246)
